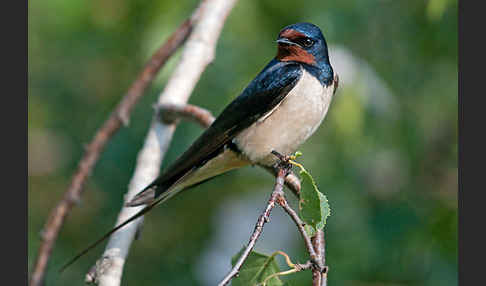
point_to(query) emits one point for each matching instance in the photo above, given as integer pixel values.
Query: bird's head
(304, 43)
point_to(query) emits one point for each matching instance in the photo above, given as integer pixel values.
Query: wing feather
(264, 93)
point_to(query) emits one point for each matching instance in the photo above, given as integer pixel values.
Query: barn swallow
(281, 108)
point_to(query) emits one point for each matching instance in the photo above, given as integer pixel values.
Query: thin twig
(286, 256)
(282, 273)
(265, 217)
(304, 266)
(119, 117)
(295, 267)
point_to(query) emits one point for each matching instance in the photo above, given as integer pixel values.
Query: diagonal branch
(198, 52)
(119, 117)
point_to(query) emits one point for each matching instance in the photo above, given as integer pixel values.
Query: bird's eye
(305, 42)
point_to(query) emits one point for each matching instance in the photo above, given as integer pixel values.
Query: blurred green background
(385, 156)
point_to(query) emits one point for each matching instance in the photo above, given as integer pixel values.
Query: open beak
(286, 41)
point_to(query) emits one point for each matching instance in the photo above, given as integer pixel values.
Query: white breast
(289, 124)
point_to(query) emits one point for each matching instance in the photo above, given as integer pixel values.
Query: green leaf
(313, 205)
(309, 203)
(325, 210)
(255, 269)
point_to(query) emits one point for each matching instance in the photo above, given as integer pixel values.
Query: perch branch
(291, 181)
(265, 217)
(198, 52)
(319, 276)
(314, 245)
(119, 117)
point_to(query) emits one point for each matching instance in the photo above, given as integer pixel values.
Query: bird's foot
(284, 162)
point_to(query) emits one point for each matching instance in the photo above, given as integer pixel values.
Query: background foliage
(386, 155)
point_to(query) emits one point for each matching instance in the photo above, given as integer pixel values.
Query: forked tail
(105, 236)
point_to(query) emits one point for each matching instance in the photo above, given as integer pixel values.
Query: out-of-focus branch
(265, 217)
(119, 116)
(197, 54)
(171, 113)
